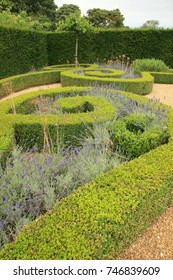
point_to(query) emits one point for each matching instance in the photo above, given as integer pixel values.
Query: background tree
(105, 18)
(78, 24)
(23, 21)
(151, 24)
(31, 7)
(66, 10)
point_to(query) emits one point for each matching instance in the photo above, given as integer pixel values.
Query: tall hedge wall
(61, 48)
(105, 44)
(21, 50)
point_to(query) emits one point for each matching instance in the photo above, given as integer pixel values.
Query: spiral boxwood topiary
(26, 128)
(135, 135)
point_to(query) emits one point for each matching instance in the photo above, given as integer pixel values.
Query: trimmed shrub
(100, 219)
(29, 128)
(137, 134)
(19, 82)
(104, 73)
(64, 67)
(141, 85)
(78, 104)
(163, 78)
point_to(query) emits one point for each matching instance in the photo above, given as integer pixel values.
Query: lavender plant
(120, 62)
(32, 183)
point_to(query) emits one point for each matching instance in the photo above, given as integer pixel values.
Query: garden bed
(100, 219)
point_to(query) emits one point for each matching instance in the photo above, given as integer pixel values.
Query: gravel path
(164, 93)
(38, 88)
(157, 241)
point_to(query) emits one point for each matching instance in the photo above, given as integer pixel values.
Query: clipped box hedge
(141, 85)
(30, 79)
(105, 73)
(102, 218)
(64, 67)
(163, 78)
(28, 128)
(99, 220)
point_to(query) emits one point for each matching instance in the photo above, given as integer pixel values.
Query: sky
(136, 12)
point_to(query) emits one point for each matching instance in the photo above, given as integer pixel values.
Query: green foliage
(65, 10)
(45, 8)
(77, 104)
(107, 44)
(78, 24)
(75, 22)
(105, 18)
(150, 65)
(137, 134)
(141, 85)
(151, 24)
(32, 183)
(137, 191)
(30, 79)
(163, 78)
(29, 131)
(23, 21)
(61, 47)
(21, 50)
(101, 219)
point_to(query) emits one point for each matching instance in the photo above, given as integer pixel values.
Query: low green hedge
(29, 128)
(133, 135)
(64, 66)
(78, 104)
(163, 77)
(99, 220)
(105, 73)
(30, 79)
(141, 85)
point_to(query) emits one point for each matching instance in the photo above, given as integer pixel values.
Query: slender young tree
(78, 24)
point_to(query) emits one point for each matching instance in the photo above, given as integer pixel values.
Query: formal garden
(85, 167)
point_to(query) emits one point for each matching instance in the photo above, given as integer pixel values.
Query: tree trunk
(76, 51)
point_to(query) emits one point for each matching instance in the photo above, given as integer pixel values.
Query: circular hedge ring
(134, 135)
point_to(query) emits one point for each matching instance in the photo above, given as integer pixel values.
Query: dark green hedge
(21, 50)
(61, 48)
(136, 43)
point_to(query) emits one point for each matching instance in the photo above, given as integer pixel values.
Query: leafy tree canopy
(151, 24)
(105, 18)
(75, 22)
(66, 10)
(23, 21)
(31, 7)
(78, 24)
